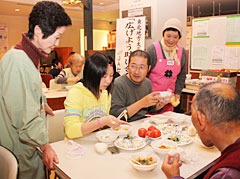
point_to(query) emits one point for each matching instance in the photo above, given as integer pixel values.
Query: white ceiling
(108, 11)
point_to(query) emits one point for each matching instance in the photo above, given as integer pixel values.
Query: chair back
(54, 85)
(55, 126)
(8, 164)
(46, 79)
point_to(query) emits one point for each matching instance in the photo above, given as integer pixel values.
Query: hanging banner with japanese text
(130, 37)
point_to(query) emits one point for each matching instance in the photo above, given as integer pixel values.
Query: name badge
(170, 62)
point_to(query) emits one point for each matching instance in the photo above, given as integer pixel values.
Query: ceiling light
(101, 3)
(17, 10)
(71, 2)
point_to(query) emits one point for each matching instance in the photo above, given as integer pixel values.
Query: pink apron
(164, 74)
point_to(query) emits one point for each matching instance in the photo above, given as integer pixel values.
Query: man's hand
(171, 165)
(150, 99)
(48, 110)
(161, 104)
(49, 156)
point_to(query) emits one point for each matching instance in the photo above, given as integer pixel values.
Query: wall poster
(130, 37)
(3, 38)
(139, 12)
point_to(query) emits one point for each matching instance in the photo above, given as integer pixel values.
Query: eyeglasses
(141, 67)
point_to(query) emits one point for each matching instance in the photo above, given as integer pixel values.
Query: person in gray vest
(71, 75)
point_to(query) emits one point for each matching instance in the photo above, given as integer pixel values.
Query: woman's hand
(112, 121)
(49, 156)
(48, 110)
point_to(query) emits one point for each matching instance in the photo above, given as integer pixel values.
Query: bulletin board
(216, 43)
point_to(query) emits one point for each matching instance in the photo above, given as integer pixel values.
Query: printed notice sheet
(217, 55)
(201, 29)
(199, 57)
(233, 26)
(232, 58)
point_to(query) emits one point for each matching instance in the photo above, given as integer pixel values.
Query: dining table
(55, 97)
(91, 165)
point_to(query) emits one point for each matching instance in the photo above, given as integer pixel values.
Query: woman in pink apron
(168, 61)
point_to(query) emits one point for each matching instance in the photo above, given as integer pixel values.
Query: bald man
(216, 117)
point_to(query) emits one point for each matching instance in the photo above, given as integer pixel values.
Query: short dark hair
(95, 68)
(71, 53)
(49, 16)
(140, 53)
(55, 61)
(217, 108)
(172, 29)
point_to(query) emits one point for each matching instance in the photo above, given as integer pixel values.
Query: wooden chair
(8, 164)
(46, 79)
(55, 126)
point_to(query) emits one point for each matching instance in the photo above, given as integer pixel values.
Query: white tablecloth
(56, 93)
(109, 166)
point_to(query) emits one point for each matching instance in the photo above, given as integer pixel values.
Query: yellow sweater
(82, 106)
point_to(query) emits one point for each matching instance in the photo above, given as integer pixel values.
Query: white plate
(183, 139)
(118, 144)
(169, 128)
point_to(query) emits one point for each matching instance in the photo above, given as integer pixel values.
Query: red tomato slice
(149, 134)
(156, 133)
(142, 132)
(151, 128)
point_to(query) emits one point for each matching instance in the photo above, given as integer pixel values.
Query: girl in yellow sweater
(88, 102)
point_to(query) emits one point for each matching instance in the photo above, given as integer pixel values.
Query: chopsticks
(124, 113)
(148, 115)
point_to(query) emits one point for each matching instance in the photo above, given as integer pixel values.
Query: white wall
(71, 38)
(161, 11)
(99, 40)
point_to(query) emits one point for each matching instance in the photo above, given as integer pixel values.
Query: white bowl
(106, 136)
(165, 94)
(123, 129)
(164, 142)
(143, 155)
(178, 120)
(160, 119)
